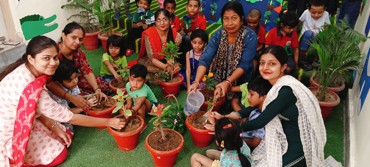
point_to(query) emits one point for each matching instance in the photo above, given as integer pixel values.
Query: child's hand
(216, 115)
(118, 78)
(93, 101)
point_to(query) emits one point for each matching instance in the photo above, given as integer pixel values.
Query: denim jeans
(306, 38)
(349, 11)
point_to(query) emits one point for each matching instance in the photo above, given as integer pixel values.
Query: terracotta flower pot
(127, 141)
(107, 113)
(164, 158)
(171, 87)
(91, 40)
(201, 137)
(103, 40)
(336, 89)
(216, 107)
(327, 106)
(113, 88)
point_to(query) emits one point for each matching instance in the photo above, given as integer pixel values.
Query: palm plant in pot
(338, 52)
(114, 84)
(165, 144)
(169, 83)
(87, 19)
(126, 138)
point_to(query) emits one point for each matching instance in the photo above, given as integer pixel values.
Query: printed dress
(43, 145)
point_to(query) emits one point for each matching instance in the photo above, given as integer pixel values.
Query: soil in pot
(118, 84)
(171, 142)
(132, 123)
(103, 105)
(194, 120)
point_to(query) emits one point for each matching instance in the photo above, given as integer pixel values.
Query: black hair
(167, 14)
(255, 13)
(228, 132)
(169, 2)
(149, 2)
(316, 3)
(236, 7)
(260, 85)
(116, 41)
(138, 70)
(187, 3)
(287, 18)
(34, 47)
(199, 33)
(70, 27)
(64, 71)
(278, 52)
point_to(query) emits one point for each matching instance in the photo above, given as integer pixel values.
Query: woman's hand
(116, 123)
(193, 87)
(101, 96)
(118, 78)
(80, 102)
(221, 89)
(216, 115)
(66, 139)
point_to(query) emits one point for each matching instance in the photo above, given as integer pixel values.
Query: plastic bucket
(193, 102)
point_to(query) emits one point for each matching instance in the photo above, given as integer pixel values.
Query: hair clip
(227, 126)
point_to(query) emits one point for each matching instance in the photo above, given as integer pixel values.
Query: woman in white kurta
(47, 139)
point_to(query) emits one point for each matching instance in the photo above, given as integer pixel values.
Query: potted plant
(126, 138)
(207, 88)
(338, 52)
(87, 19)
(115, 84)
(195, 122)
(104, 14)
(103, 107)
(170, 84)
(163, 144)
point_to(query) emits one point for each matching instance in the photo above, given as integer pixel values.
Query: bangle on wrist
(227, 81)
(55, 123)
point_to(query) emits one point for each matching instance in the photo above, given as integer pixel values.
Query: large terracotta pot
(171, 88)
(336, 89)
(91, 40)
(201, 137)
(103, 40)
(114, 89)
(327, 106)
(127, 141)
(164, 158)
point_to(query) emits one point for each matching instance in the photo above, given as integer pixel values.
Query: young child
(170, 5)
(235, 152)
(253, 22)
(141, 20)
(143, 97)
(114, 59)
(192, 20)
(285, 35)
(313, 19)
(199, 39)
(67, 76)
(257, 91)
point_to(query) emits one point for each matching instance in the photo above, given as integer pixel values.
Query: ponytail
(170, 36)
(243, 159)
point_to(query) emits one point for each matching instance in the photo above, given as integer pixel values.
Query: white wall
(359, 148)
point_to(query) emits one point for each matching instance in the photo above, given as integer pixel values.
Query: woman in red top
(69, 49)
(154, 39)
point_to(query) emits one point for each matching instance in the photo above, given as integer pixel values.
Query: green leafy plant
(338, 52)
(121, 98)
(163, 76)
(171, 52)
(86, 16)
(124, 73)
(209, 82)
(170, 116)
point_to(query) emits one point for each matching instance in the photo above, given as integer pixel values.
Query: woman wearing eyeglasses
(154, 39)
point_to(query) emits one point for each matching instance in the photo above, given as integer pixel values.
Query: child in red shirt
(170, 5)
(192, 20)
(286, 36)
